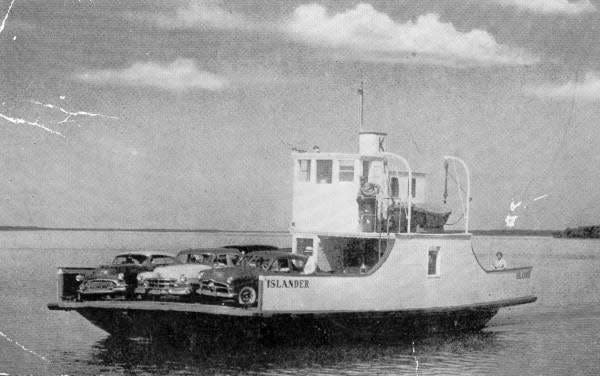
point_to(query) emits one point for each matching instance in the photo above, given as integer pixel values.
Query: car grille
(100, 284)
(154, 283)
(211, 285)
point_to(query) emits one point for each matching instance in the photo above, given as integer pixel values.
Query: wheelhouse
(350, 207)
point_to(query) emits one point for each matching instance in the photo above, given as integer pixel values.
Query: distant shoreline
(116, 229)
(548, 233)
(500, 232)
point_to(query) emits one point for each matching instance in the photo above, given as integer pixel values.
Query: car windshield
(129, 259)
(196, 258)
(257, 261)
(162, 260)
(288, 263)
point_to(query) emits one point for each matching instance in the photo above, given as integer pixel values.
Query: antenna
(361, 92)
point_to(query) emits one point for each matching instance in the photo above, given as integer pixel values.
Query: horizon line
(207, 230)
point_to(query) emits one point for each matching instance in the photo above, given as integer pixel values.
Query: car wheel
(247, 296)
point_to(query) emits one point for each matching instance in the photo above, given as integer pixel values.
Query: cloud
(588, 89)
(195, 14)
(551, 6)
(181, 74)
(363, 33)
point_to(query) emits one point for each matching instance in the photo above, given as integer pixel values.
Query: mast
(361, 92)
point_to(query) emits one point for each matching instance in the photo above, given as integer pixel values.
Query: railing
(407, 165)
(523, 272)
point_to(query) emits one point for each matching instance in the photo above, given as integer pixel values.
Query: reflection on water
(159, 357)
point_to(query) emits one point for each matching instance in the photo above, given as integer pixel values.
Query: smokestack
(372, 143)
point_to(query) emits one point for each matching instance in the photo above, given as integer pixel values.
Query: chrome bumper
(217, 294)
(118, 289)
(179, 291)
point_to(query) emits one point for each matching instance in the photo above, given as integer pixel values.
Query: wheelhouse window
(304, 170)
(433, 261)
(324, 171)
(304, 246)
(395, 187)
(346, 170)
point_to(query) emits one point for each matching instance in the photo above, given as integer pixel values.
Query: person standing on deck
(311, 263)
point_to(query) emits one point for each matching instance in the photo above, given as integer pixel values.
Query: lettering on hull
(287, 284)
(524, 274)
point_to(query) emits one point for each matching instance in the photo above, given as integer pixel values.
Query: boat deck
(156, 306)
(213, 309)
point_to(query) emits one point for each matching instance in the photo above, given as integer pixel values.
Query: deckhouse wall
(401, 282)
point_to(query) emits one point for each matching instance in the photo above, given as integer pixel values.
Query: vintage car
(118, 280)
(249, 248)
(181, 280)
(240, 283)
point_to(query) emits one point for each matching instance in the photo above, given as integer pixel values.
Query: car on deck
(181, 280)
(249, 248)
(239, 284)
(119, 278)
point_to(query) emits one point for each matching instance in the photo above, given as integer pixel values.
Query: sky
(182, 114)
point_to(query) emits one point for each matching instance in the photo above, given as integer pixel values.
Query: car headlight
(121, 276)
(182, 278)
(79, 278)
(140, 277)
(200, 275)
(229, 280)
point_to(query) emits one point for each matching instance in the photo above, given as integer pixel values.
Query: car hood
(175, 271)
(222, 274)
(108, 271)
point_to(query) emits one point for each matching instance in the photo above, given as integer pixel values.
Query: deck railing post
(409, 209)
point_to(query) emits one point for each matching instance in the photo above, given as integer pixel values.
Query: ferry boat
(385, 265)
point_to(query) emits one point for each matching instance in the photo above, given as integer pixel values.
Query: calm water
(558, 335)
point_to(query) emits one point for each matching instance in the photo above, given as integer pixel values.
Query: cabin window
(365, 169)
(324, 171)
(304, 246)
(395, 187)
(351, 256)
(304, 170)
(346, 170)
(413, 187)
(433, 261)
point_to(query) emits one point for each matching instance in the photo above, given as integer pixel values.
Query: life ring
(369, 189)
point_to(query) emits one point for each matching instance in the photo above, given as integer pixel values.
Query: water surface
(557, 335)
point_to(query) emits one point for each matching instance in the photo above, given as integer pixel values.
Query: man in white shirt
(311, 264)
(499, 263)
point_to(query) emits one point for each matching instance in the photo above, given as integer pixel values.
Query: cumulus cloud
(181, 74)
(364, 33)
(551, 6)
(196, 14)
(588, 89)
